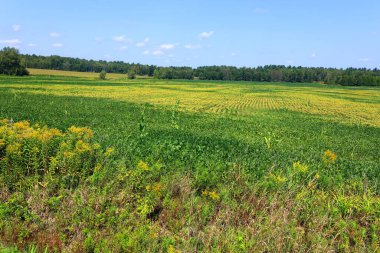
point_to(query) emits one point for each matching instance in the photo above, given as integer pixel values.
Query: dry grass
(49, 72)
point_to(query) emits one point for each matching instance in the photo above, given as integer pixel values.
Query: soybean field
(229, 166)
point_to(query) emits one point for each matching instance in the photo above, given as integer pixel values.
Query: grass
(90, 75)
(230, 166)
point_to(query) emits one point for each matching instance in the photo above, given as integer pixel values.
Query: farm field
(349, 105)
(207, 166)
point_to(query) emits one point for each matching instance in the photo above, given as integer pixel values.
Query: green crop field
(196, 166)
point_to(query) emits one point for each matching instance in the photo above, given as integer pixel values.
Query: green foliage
(131, 73)
(9, 250)
(10, 62)
(102, 75)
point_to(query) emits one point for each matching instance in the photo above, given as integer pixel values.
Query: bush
(102, 75)
(131, 74)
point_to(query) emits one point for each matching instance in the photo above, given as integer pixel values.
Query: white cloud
(191, 46)
(16, 28)
(57, 45)
(32, 45)
(205, 35)
(146, 52)
(233, 54)
(260, 10)
(364, 59)
(142, 43)
(171, 55)
(11, 42)
(158, 52)
(167, 46)
(290, 62)
(99, 39)
(122, 38)
(122, 48)
(55, 35)
(313, 55)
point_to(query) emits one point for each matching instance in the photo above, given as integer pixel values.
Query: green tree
(102, 75)
(131, 73)
(10, 62)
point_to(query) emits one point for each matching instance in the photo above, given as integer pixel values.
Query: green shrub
(102, 75)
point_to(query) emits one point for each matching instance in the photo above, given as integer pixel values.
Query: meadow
(187, 166)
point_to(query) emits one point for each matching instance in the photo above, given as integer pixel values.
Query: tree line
(275, 73)
(269, 73)
(82, 65)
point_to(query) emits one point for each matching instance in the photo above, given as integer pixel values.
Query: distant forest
(269, 73)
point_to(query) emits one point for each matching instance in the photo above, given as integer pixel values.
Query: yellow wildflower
(171, 249)
(299, 167)
(2, 143)
(211, 194)
(82, 146)
(14, 149)
(28, 134)
(21, 125)
(84, 132)
(64, 145)
(154, 235)
(3, 130)
(109, 152)
(4, 121)
(98, 166)
(35, 150)
(329, 157)
(143, 166)
(96, 146)
(157, 187)
(47, 134)
(278, 179)
(54, 162)
(68, 154)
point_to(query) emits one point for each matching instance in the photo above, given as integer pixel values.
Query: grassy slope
(261, 129)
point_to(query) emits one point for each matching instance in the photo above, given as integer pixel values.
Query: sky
(323, 33)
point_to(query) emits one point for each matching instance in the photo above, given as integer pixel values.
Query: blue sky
(335, 33)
